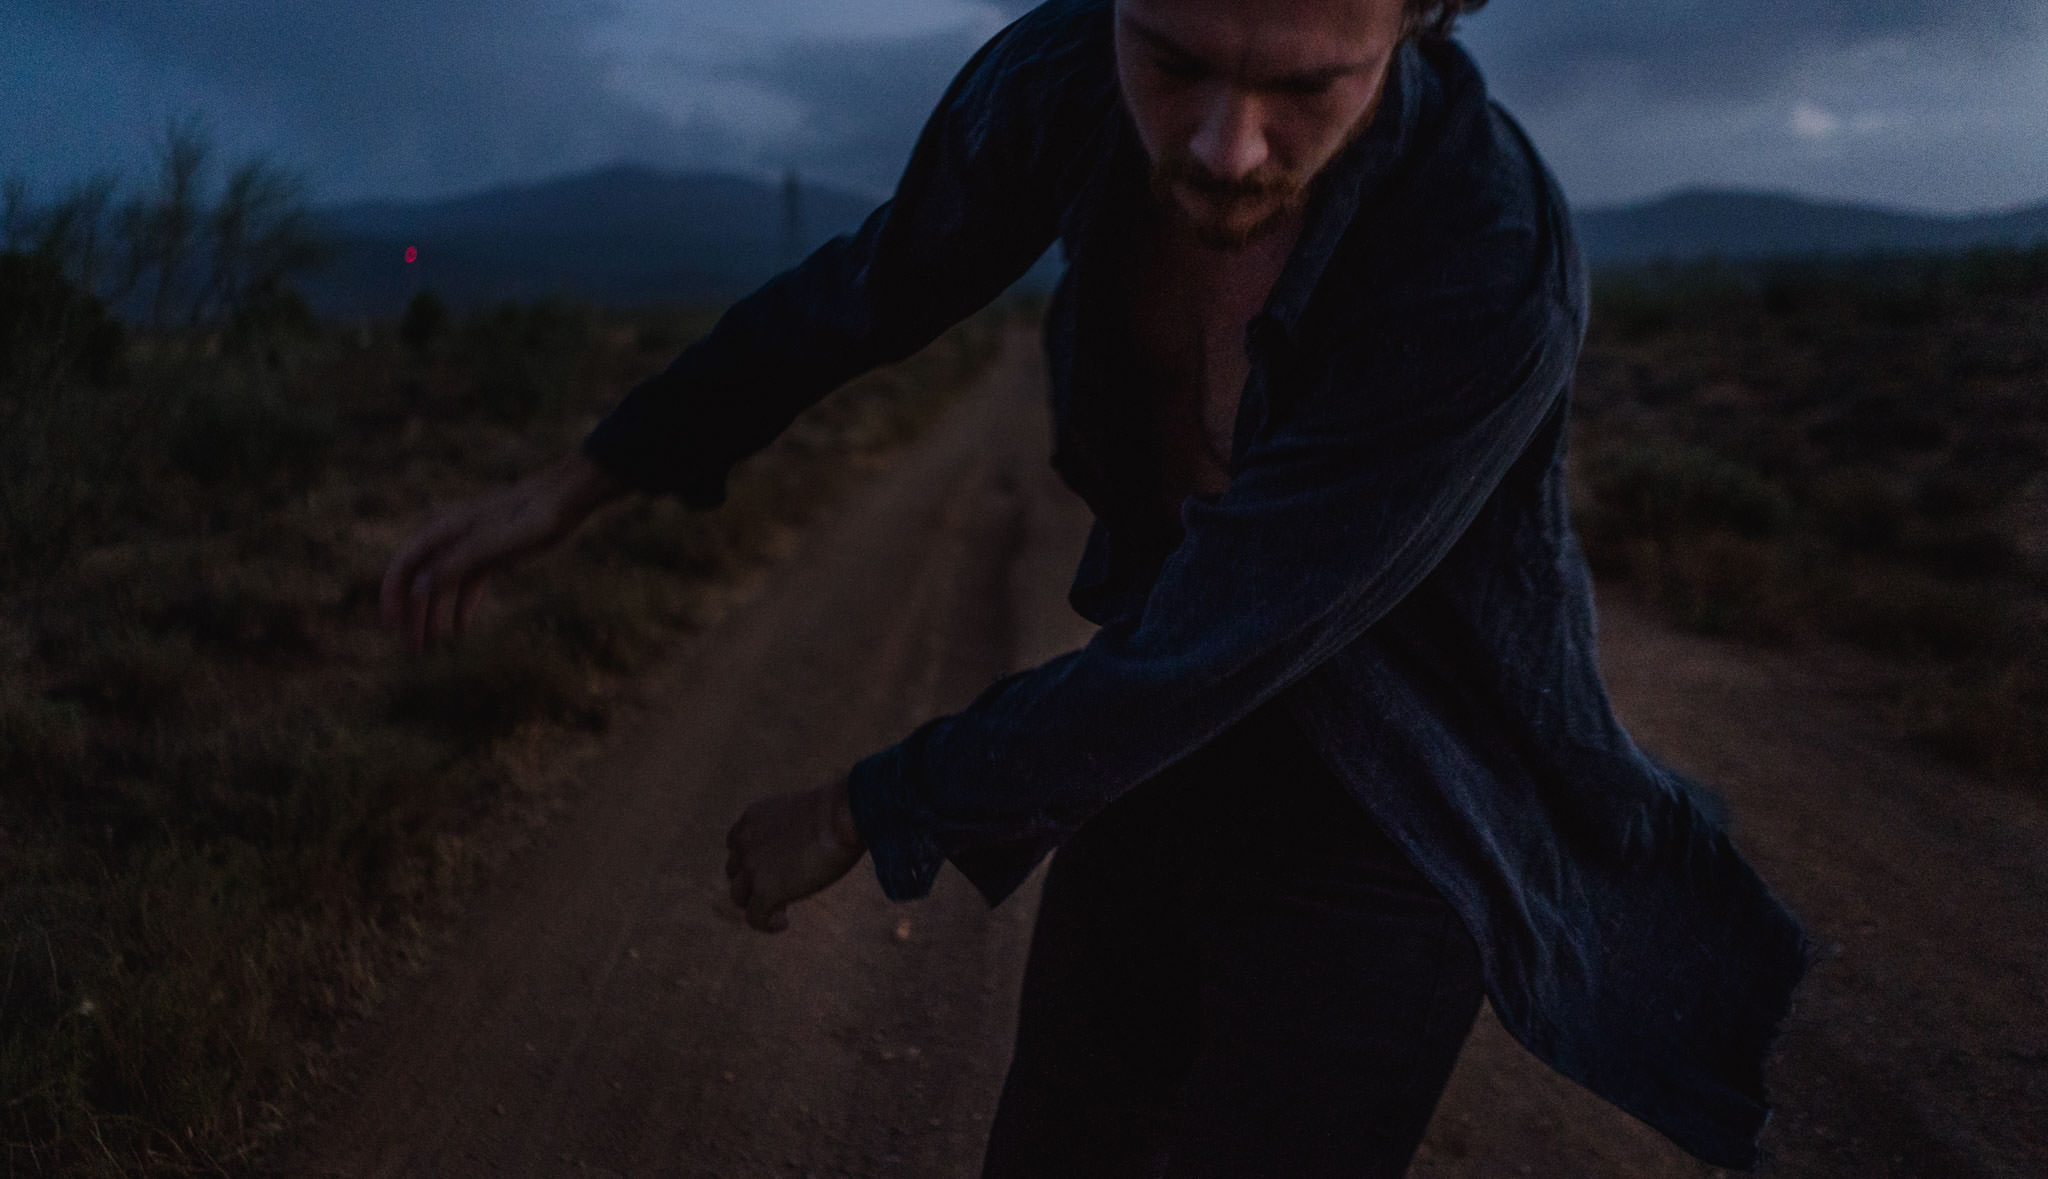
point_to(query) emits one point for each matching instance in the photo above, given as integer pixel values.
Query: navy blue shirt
(1392, 557)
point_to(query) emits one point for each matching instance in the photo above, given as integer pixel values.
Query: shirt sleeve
(1331, 518)
(974, 208)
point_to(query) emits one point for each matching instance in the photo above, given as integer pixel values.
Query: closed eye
(1309, 86)
(1179, 67)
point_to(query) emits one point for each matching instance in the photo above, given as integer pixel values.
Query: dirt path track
(600, 1013)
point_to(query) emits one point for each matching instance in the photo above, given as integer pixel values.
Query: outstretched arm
(977, 204)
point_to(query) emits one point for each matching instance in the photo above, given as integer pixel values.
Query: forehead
(1264, 35)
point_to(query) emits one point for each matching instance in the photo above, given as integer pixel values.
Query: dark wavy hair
(1434, 18)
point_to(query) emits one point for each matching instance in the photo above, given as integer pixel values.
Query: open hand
(434, 582)
(788, 846)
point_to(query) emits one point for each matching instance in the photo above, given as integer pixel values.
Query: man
(1339, 759)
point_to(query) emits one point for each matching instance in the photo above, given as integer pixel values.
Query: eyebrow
(1172, 48)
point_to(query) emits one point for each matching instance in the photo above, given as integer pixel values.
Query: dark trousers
(1234, 973)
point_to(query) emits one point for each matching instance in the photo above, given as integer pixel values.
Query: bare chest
(1189, 310)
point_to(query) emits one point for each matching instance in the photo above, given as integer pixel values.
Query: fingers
(448, 586)
(440, 570)
(767, 918)
(433, 585)
(762, 913)
(421, 603)
(465, 605)
(405, 568)
(425, 593)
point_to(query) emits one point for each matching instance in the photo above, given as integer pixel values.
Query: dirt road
(599, 1012)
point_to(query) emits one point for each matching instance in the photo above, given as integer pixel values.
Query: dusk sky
(1921, 104)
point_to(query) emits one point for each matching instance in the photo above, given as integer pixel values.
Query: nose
(1231, 141)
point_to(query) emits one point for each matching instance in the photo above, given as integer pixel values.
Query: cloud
(1690, 49)
(427, 97)
(1811, 122)
(840, 93)
(865, 104)
(379, 96)
(1909, 102)
(1820, 125)
(1901, 102)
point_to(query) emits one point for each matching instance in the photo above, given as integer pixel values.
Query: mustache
(1186, 172)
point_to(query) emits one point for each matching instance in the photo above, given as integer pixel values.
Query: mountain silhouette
(625, 235)
(630, 235)
(1701, 223)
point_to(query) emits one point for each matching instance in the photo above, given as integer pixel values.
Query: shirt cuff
(621, 444)
(906, 859)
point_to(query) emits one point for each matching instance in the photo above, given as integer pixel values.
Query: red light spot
(412, 255)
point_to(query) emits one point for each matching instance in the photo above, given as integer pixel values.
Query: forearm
(581, 486)
(994, 787)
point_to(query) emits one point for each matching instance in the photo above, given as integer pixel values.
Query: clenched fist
(787, 847)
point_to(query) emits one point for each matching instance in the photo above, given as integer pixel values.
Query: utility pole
(793, 236)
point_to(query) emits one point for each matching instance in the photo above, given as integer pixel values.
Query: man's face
(1240, 103)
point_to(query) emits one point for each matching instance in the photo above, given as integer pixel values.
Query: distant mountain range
(631, 235)
(1748, 225)
(624, 235)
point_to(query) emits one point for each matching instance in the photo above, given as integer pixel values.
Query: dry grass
(1854, 452)
(226, 797)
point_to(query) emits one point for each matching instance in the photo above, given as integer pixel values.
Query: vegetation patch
(227, 795)
(1844, 451)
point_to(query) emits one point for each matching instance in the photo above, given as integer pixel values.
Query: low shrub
(133, 672)
(44, 741)
(1991, 716)
(1860, 509)
(252, 435)
(1904, 611)
(1640, 303)
(1739, 586)
(241, 618)
(526, 357)
(424, 322)
(71, 457)
(1665, 491)
(661, 534)
(50, 330)
(619, 624)
(490, 685)
(1796, 449)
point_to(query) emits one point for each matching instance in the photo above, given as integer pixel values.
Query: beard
(1281, 194)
